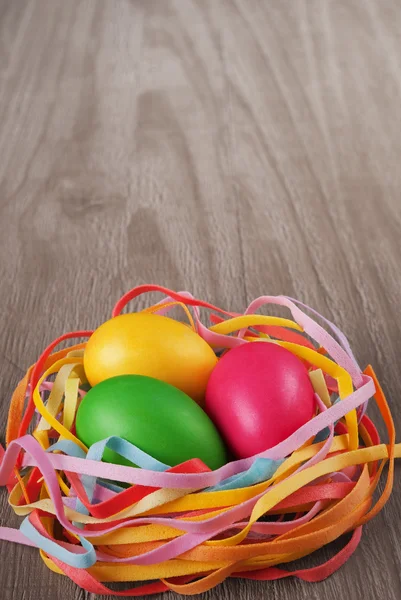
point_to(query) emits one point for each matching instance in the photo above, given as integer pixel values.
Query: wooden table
(231, 148)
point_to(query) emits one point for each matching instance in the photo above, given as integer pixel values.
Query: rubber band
(187, 526)
(166, 306)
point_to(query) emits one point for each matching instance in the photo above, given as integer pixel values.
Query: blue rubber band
(79, 561)
(260, 470)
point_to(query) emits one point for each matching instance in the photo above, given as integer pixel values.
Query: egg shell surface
(155, 416)
(150, 345)
(258, 395)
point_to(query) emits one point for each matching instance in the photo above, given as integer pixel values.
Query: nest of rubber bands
(102, 508)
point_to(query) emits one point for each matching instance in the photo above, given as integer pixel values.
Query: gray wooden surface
(232, 148)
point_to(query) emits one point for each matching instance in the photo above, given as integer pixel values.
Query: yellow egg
(151, 345)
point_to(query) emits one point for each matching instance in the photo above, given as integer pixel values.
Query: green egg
(155, 416)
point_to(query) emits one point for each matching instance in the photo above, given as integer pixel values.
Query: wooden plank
(232, 148)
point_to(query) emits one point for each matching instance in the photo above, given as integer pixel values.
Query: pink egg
(257, 395)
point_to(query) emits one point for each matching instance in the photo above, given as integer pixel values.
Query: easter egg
(151, 345)
(258, 395)
(155, 416)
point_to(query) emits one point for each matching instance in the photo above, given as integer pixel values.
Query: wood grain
(232, 148)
